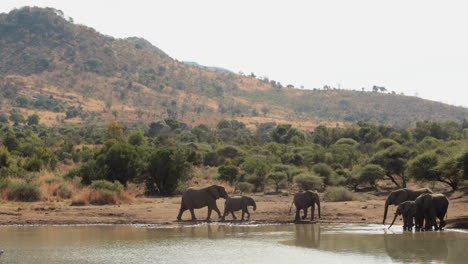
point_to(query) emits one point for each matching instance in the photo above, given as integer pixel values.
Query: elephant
(302, 201)
(401, 195)
(408, 210)
(238, 203)
(428, 207)
(195, 198)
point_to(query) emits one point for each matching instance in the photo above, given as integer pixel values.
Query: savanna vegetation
(113, 163)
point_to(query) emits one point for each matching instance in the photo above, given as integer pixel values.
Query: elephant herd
(195, 198)
(421, 205)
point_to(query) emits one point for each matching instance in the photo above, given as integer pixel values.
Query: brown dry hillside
(70, 73)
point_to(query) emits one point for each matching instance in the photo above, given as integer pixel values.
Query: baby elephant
(408, 210)
(238, 203)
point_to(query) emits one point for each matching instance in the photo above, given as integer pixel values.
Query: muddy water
(324, 243)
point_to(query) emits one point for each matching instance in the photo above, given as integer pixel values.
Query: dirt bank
(270, 208)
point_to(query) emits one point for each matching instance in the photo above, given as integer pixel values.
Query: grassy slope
(129, 79)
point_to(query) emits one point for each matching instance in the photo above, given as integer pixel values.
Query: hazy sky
(410, 46)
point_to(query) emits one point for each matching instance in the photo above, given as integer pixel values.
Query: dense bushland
(96, 165)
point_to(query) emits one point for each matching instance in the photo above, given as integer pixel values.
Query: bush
(102, 196)
(4, 182)
(244, 187)
(338, 194)
(166, 168)
(324, 171)
(24, 192)
(308, 181)
(107, 185)
(63, 192)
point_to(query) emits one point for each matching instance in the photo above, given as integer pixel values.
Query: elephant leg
(243, 213)
(192, 212)
(226, 212)
(305, 213)
(298, 218)
(217, 210)
(247, 212)
(312, 212)
(233, 215)
(209, 213)
(181, 211)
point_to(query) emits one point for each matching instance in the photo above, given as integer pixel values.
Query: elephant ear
(213, 190)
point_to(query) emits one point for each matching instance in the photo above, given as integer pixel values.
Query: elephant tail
(290, 208)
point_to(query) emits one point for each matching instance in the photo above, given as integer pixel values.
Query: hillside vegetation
(69, 73)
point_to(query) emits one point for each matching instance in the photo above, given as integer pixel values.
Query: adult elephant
(233, 204)
(195, 198)
(303, 201)
(408, 210)
(401, 195)
(428, 207)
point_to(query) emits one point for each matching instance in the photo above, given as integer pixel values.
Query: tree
(166, 167)
(136, 138)
(121, 163)
(33, 120)
(265, 110)
(278, 179)
(5, 158)
(393, 160)
(157, 128)
(22, 101)
(115, 131)
(228, 173)
(3, 118)
(16, 117)
(444, 164)
(308, 181)
(370, 174)
(10, 141)
(257, 168)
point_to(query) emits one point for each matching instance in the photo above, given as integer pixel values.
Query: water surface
(319, 243)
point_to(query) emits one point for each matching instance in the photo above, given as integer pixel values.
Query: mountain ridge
(71, 73)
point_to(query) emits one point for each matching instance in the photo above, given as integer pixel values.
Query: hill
(208, 68)
(69, 73)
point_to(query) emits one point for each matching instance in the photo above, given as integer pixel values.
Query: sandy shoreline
(271, 209)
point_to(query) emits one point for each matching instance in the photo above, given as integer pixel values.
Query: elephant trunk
(318, 205)
(385, 212)
(252, 203)
(393, 220)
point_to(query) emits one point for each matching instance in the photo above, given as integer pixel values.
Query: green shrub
(34, 164)
(338, 194)
(4, 182)
(244, 187)
(107, 185)
(24, 192)
(308, 181)
(63, 191)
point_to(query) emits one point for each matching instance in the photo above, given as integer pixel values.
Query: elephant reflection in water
(416, 247)
(307, 236)
(206, 231)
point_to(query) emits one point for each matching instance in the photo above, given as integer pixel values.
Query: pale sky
(418, 47)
